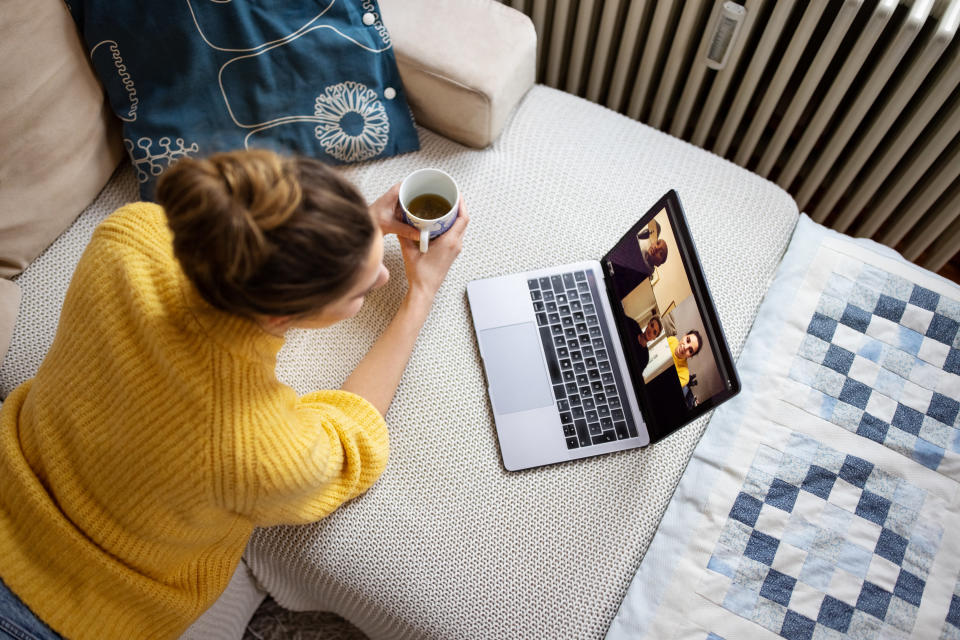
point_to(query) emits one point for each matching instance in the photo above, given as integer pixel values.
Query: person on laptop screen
(681, 349)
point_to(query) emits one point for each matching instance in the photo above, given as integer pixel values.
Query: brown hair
(260, 233)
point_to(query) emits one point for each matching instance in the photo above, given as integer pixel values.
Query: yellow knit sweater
(152, 441)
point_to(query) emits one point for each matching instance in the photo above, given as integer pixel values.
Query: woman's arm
(377, 376)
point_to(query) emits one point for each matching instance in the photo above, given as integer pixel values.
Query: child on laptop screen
(155, 435)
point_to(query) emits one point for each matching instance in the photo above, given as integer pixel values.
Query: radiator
(852, 106)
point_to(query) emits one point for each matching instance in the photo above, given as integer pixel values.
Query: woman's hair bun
(258, 232)
(227, 203)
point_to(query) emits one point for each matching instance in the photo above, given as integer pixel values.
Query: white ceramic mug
(433, 181)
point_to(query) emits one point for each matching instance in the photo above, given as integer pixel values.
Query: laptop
(603, 355)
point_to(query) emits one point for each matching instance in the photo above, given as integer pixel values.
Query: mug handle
(424, 239)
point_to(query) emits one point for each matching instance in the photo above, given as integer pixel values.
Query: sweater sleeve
(331, 448)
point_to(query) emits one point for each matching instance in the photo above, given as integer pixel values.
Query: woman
(155, 436)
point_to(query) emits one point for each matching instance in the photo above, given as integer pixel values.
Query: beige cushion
(60, 143)
(9, 303)
(462, 82)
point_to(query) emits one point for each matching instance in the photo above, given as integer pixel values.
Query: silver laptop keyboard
(587, 388)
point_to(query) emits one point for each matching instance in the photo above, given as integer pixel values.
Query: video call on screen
(661, 323)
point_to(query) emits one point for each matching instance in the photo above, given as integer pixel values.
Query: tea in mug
(429, 206)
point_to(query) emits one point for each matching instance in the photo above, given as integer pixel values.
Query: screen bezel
(705, 305)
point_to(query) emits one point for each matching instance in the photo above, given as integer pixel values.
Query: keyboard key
(581, 379)
(596, 333)
(566, 322)
(617, 414)
(593, 416)
(583, 287)
(588, 403)
(538, 306)
(536, 295)
(621, 429)
(610, 390)
(558, 391)
(577, 412)
(591, 362)
(557, 330)
(584, 435)
(571, 443)
(564, 310)
(569, 430)
(547, 295)
(541, 319)
(571, 334)
(566, 418)
(597, 341)
(571, 387)
(568, 376)
(565, 363)
(595, 429)
(580, 276)
(592, 320)
(563, 405)
(604, 366)
(578, 316)
(606, 423)
(606, 378)
(573, 296)
(558, 341)
(580, 327)
(603, 411)
(552, 307)
(561, 298)
(594, 374)
(574, 401)
(533, 284)
(606, 436)
(614, 402)
(544, 283)
(568, 280)
(554, 318)
(563, 353)
(575, 305)
(597, 386)
(576, 356)
(587, 350)
(585, 392)
(552, 366)
(586, 298)
(601, 354)
(600, 399)
(579, 368)
(557, 283)
(589, 309)
(574, 344)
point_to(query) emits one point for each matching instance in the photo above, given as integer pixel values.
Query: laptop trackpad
(515, 368)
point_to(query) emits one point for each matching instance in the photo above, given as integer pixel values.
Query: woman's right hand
(426, 271)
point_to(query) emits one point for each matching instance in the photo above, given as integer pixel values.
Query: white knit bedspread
(447, 544)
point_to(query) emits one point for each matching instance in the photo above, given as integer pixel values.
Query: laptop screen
(667, 321)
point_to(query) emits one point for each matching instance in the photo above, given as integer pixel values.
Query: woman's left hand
(386, 211)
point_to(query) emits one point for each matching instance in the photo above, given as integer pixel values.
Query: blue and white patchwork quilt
(823, 501)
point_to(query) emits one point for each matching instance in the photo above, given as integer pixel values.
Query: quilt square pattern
(822, 544)
(881, 358)
(951, 626)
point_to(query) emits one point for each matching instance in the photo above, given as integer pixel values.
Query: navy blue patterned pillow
(193, 77)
